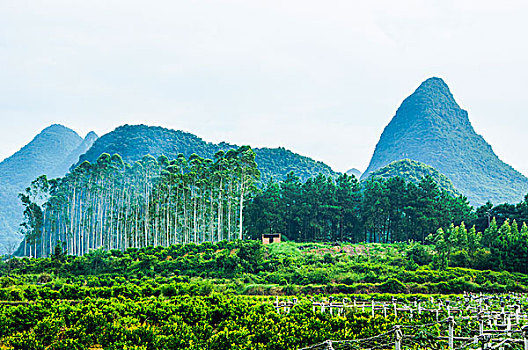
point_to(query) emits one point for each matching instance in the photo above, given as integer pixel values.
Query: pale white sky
(321, 78)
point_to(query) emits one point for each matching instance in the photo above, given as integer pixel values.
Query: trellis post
(481, 323)
(451, 322)
(525, 336)
(508, 324)
(398, 335)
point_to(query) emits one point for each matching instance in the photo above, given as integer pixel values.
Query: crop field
(243, 295)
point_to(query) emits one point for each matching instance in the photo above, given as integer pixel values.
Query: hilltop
(132, 142)
(414, 171)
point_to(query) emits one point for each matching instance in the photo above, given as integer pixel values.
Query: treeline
(113, 205)
(343, 209)
(110, 204)
(503, 247)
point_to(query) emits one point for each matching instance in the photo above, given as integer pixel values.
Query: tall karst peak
(430, 127)
(434, 104)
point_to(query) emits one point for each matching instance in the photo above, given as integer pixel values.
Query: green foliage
(185, 296)
(113, 205)
(247, 267)
(212, 322)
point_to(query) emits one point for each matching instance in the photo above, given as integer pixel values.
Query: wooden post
(373, 305)
(481, 324)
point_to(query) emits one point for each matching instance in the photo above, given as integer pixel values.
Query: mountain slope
(430, 127)
(414, 171)
(72, 158)
(40, 156)
(134, 141)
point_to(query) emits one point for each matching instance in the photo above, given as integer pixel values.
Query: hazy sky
(321, 78)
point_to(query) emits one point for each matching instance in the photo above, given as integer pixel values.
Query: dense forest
(375, 210)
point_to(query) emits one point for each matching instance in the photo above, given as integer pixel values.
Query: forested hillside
(431, 128)
(411, 170)
(132, 142)
(41, 156)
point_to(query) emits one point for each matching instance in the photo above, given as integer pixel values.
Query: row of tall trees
(343, 209)
(113, 205)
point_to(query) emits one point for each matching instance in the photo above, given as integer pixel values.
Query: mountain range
(429, 135)
(132, 142)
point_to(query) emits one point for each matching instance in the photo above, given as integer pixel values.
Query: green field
(221, 296)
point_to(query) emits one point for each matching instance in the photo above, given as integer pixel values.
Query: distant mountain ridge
(430, 127)
(132, 142)
(40, 156)
(357, 173)
(56, 149)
